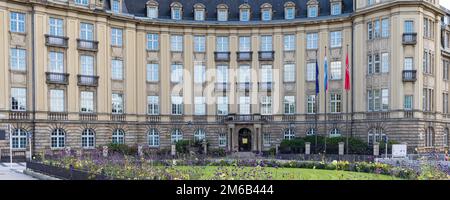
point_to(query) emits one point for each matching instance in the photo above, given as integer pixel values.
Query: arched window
(58, 138)
(313, 8)
(289, 10)
(311, 131)
(88, 138)
(199, 12)
(244, 12)
(289, 134)
(266, 12)
(116, 6)
(446, 139)
(335, 132)
(152, 9)
(118, 136)
(177, 11)
(176, 136)
(19, 139)
(375, 135)
(199, 135)
(429, 137)
(222, 12)
(153, 138)
(336, 7)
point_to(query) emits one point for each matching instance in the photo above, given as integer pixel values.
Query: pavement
(14, 172)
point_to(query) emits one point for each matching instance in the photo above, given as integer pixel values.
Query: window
(408, 102)
(289, 134)
(428, 62)
(87, 65)
(266, 14)
(199, 15)
(244, 44)
(336, 39)
(312, 40)
(289, 73)
(428, 100)
(336, 70)
(428, 26)
(115, 7)
(152, 72)
(222, 139)
(336, 9)
(57, 102)
(56, 26)
(153, 105)
(152, 12)
(289, 42)
(222, 15)
(176, 136)
(222, 105)
(445, 103)
(311, 72)
(266, 105)
(385, 62)
(117, 103)
(152, 42)
(56, 62)
(82, 2)
(17, 59)
(116, 37)
(176, 73)
(176, 11)
(199, 106)
(378, 100)
(446, 138)
(199, 73)
(376, 135)
(408, 26)
(429, 137)
(118, 136)
(18, 99)
(153, 138)
(335, 103)
(311, 104)
(408, 64)
(376, 28)
(384, 99)
(244, 74)
(199, 44)
(311, 131)
(244, 105)
(86, 31)
(17, 22)
(222, 44)
(117, 70)
(88, 138)
(266, 74)
(377, 63)
(385, 28)
(335, 132)
(87, 102)
(289, 105)
(266, 43)
(176, 42)
(266, 139)
(177, 105)
(445, 69)
(19, 139)
(222, 74)
(58, 139)
(370, 30)
(245, 15)
(289, 13)
(374, 63)
(199, 135)
(313, 11)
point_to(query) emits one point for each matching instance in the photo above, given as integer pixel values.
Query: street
(14, 173)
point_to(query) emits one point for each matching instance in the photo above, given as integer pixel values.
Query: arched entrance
(245, 138)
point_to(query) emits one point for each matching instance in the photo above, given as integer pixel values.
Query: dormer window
(336, 7)
(176, 11)
(313, 8)
(82, 2)
(289, 10)
(222, 12)
(152, 9)
(244, 12)
(115, 6)
(199, 12)
(266, 12)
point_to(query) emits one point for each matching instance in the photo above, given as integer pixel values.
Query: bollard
(308, 148)
(276, 149)
(341, 148)
(376, 149)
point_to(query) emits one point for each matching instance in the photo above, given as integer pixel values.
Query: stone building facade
(240, 74)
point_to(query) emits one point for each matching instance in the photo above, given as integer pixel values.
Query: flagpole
(346, 99)
(315, 103)
(326, 90)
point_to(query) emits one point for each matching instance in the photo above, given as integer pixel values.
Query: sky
(445, 3)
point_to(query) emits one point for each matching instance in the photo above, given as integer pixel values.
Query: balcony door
(409, 27)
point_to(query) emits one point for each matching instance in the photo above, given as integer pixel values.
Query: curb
(38, 176)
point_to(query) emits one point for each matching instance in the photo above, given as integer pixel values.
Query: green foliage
(122, 149)
(182, 146)
(297, 145)
(217, 152)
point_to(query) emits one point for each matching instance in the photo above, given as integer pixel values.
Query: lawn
(207, 173)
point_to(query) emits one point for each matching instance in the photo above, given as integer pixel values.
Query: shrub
(122, 148)
(217, 152)
(182, 146)
(297, 145)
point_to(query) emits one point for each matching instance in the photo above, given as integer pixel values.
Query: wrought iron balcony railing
(57, 78)
(84, 80)
(409, 75)
(56, 41)
(244, 56)
(87, 45)
(409, 38)
(266, 55)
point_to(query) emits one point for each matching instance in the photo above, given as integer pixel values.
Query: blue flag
(317, 78)
(325, 72)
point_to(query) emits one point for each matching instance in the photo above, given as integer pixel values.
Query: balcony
(118, 117)
(265, 86)
(409, 38)
(245, 86)
(88, 117)
(222, 87)
(89, 81)
(409, 75)
(57, 78)
(153, 118)
(87, 45)
(57, 116)
(19, 115)
(266, 55)
(56, 41)
(222, 56)
(244, 56)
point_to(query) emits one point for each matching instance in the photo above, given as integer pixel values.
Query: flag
(317, 77)
(347, 74)
(325, 71)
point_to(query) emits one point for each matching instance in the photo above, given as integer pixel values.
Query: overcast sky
(445, 3)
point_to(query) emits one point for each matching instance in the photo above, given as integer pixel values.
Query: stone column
(341, 148)
(376, 149)
(230, 137)
(308, 148)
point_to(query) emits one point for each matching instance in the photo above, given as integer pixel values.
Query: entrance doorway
(245, 138)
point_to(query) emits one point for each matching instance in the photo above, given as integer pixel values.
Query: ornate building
(240, 74)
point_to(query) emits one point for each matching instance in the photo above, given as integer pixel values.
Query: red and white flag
(347, 74)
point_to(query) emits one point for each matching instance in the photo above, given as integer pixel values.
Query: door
(245, 140)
